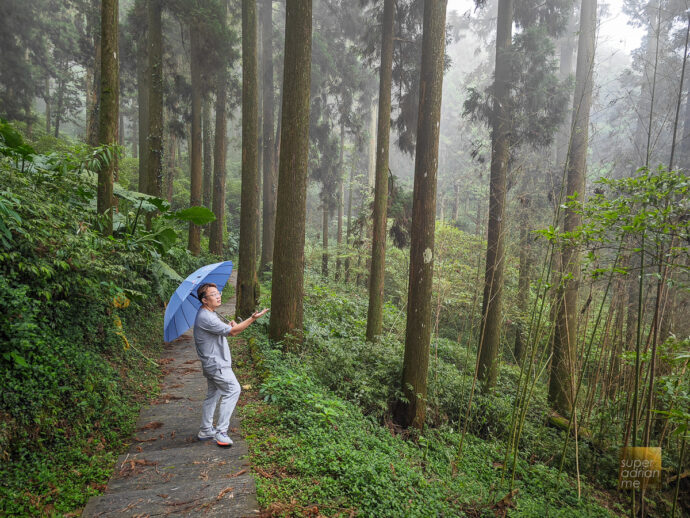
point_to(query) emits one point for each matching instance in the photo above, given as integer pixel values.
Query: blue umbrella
(183, 305)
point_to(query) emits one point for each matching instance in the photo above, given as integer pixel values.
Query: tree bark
(215, 243)
(339, 231)
(93, 74)
(208, 151)
(143, 77)
(249, 214)
(108, 110)
(561, 384)
(58, 108)
(170, 175)
(270, 178)
(523, 279)
(684, 157)
(349, 217)
(418, 328)
(46, 98)
(324, 229)
(288, 256)
(194, 243)
(378, 245)
(500, 150)
(154, 162)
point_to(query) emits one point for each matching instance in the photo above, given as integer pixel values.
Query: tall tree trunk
(339, 231)
(143, 77)
(108, 110)
(194, 243)
(418, 328)
(349, 216)
(288, 255)
(215, 243)
(523, 278)
(561, 384)
(270, 178)
(170, 176)
(378, 245)
(371, 168)
(46, 99)
(249, 214)
(684, 157)
(121, 129)
(154, 162)
(324, 228)
(208, 151)
(93, 74)
(58, 108)
(490, 331)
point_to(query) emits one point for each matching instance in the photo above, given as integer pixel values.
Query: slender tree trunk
(523, 280)
(684, 158)
(371, 168)
(215, 243)
(561, 384)
(500, 150)
(418, 328)
(93, 74)
(121, 128)
(58, 108)
(154, 162)
(195, 200)
(324, 228)
(208, 151)
(378, 246)
(339, 232)
(349, 217)
(270, 178)
(108, 111)
(46, 98)
(143, 77)
(170, 176)
(288, 256)
(249, 215)
(456, 201)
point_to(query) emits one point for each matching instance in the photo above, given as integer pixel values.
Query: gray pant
(223, 386)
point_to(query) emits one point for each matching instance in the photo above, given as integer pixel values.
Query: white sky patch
(613, 27)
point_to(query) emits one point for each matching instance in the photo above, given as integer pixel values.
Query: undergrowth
(315, 453)
(80, 328)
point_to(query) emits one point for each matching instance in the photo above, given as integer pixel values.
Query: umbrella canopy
(183, 305)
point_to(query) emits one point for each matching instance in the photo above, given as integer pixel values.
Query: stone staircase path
(167, 471)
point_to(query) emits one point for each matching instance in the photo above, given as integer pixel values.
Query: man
(212, 347)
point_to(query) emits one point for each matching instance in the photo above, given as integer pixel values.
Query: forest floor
(167, 471)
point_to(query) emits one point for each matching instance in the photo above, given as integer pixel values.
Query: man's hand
(261, 313)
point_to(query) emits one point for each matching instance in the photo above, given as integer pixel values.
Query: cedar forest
(470, 221)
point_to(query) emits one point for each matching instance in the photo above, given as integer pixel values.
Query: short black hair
(201, 291)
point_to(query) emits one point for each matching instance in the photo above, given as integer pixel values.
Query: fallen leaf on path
(224, 492)
(151, 426)
(240, 472)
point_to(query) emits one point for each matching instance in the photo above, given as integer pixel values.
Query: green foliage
(71, 306)
(331, 456)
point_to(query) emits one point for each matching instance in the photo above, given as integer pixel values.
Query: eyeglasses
(217, 294)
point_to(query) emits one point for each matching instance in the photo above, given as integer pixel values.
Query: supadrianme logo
(640, 468)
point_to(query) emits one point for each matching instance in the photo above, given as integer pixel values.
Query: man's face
(212, 299)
